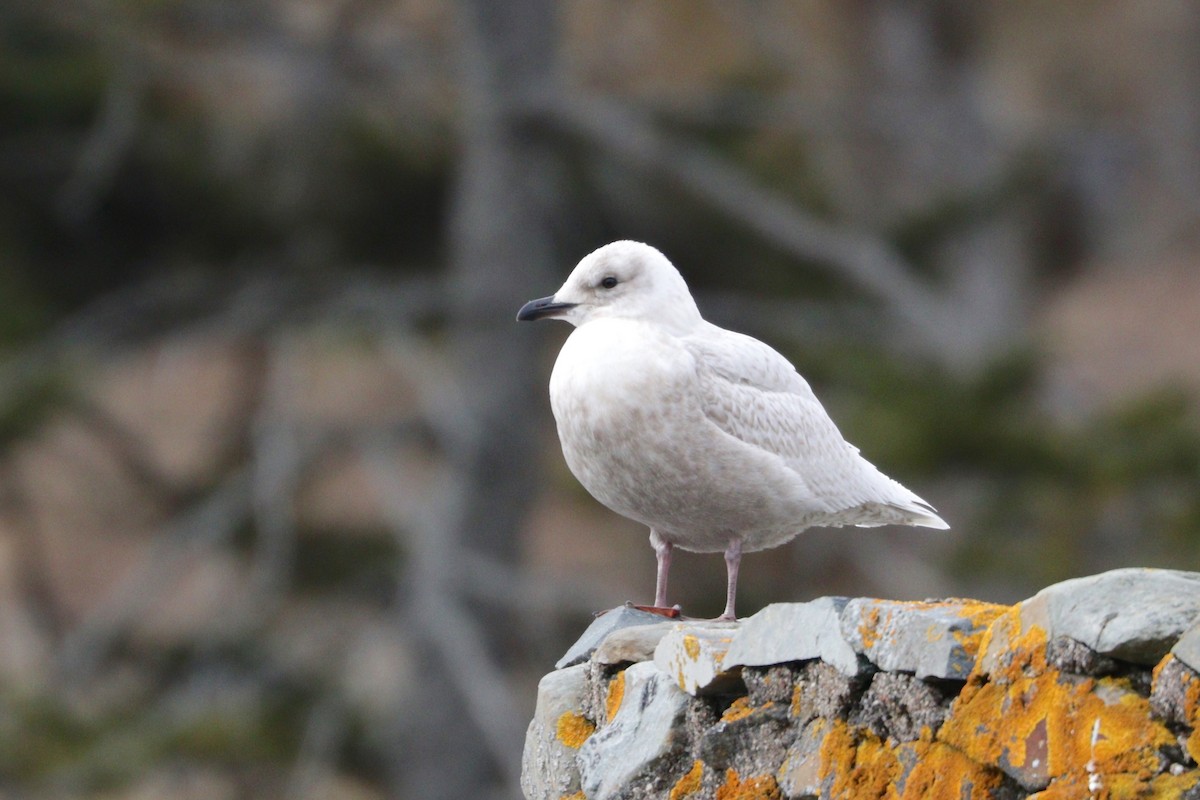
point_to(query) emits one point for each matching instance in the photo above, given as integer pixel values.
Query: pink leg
(733, 559)
(662, 552)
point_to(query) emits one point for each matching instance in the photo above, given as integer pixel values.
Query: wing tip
(927, 516)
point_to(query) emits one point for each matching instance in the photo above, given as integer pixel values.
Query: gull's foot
(670, 612)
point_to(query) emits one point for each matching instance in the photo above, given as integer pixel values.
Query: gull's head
(623, 280)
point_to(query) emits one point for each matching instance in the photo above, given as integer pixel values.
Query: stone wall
(1089, 689)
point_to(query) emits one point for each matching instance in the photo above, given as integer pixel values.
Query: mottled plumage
(709, 437)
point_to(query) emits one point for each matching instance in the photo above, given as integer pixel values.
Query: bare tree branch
(853, 255)
(439, 613)
(210, 522)
(107, 143)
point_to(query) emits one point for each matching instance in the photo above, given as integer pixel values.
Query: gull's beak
(543, 307)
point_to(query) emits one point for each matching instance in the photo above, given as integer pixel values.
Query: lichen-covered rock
(932, 639)
(633, 755)
(1135, 615)
(1054, 698)
(1038, 725)
(803, 772)
(557, 731)
(694, 655)
(1175, 698)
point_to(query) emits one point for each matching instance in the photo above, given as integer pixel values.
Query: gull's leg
(733, 559)
(662, 552)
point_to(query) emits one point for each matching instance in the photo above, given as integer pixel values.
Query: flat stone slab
(601, 627)
(630, 645)
(693, 654)
(555, 734)
(931, 639)
(630, 752)
(785, 632)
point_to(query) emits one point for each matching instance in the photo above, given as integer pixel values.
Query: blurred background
(282, 511)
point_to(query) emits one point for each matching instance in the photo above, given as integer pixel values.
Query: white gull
(709, 437)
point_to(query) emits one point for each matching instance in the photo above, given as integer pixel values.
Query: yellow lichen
(868, 629)
(941, 772)
(616, 693)
(856, 764)
(691, 646)
(1032, 718)
(1191, 705)
(574, 796)
(739, 709)
(573, 729)
(757, 787)
(981, 616)
(689, 784)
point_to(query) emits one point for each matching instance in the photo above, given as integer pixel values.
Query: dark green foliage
(1044, 488)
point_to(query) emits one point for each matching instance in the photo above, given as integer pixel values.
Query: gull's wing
(754, 394)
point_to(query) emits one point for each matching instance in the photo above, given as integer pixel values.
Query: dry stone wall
(1089, 689)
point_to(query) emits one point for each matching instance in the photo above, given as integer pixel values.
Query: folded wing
(754, 394)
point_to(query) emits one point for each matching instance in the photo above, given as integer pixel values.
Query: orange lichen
(573, 729)
(878, 620)
(1031, 719)
(691, 646)
(856, 764)
(574, 796)
(1118, 786)
(1191, 703)
(689, 784)
(868, 629)
(981, 616)
(758, 787)
(739, 709)
(616, 693)
(941, 772)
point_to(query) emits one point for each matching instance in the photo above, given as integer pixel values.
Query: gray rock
(1133, 614)
(932, 639)
(548, 768)
(1187, 649)
(898, 706)
(1067, 655)
(753, 742)
(639, 753)
(799, 778)
(630, 645)
(601, 627)
(769, 684)
(1169, 692)
(785, 632)
(694, 655)
(824, 691)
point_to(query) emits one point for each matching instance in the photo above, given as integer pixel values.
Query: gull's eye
(609, 282)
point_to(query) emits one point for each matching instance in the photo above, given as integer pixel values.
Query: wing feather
(754, 394)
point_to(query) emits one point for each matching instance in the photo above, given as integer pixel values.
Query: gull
(707, 436)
